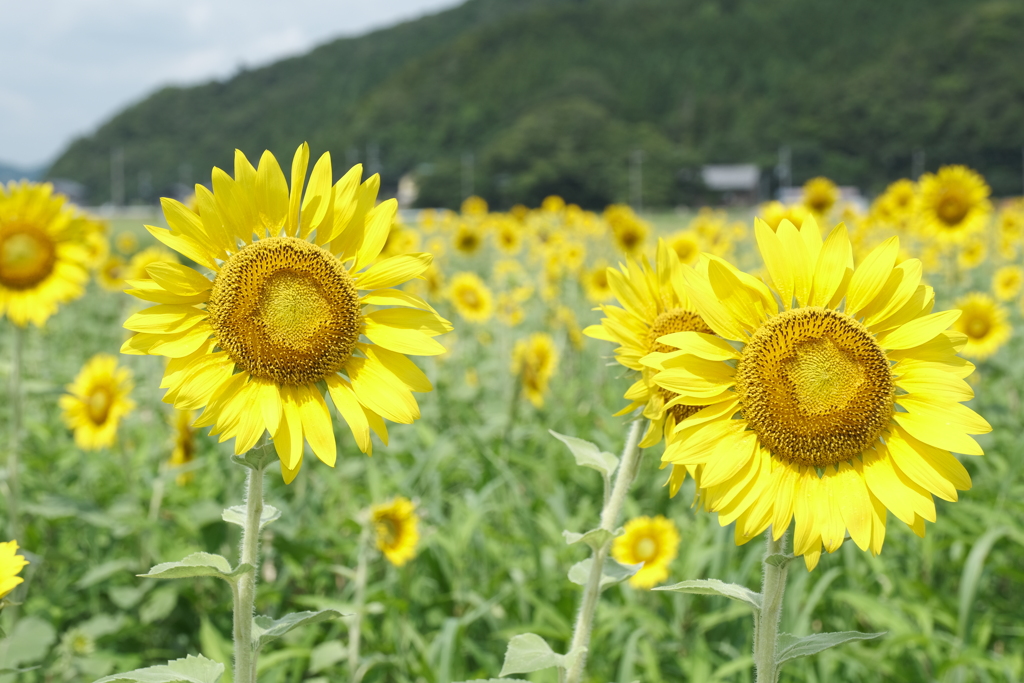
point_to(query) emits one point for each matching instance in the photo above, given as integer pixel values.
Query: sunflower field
(288, 431)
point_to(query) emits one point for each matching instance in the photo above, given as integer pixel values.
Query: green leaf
(198, 564)
(589, 455)
(326, 654)
(265, 629)
(256, 459)
(105, 570)
(790, 647)
(189, 670)
(611, 573)
(216, 647)
(529, 652)
(158, 605)
(778, 560)
(236, 515)
(595, 538)
(716, 587)
(28, 642)
(495, 680)
(971, 575)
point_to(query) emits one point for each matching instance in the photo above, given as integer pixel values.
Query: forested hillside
(554, 95)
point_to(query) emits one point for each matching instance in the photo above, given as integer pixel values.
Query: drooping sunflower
(534, 361)
(281, 320)
(471, 297)
(397, 529)
(840, 405)
(11, 565)
(654, 541)
(1007, 282)
(953, 203)
(96, 401)
(984, 322)
(44, 259)
(655, 303)
(184, 450)
(820, 195)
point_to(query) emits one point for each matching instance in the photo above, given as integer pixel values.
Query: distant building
(739, 183)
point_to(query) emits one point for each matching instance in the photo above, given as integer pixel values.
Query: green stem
(766, 624)
(245, 589)
(359, 605)
(624, 477)
(14, 436)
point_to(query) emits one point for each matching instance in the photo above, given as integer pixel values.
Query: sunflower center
(670, 322)
(629, 237)
(952, 208)
(388, 529)
(645, 549)
(977, 327)
(469, 297)
(27, 257)
(286, 310)
(815, 386)
(98, 405)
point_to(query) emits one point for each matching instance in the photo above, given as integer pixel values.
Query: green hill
(554, 95)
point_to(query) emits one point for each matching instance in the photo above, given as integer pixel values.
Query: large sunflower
(281, 321)
(841, 404)
(96, 401)
(952, 203)
(44, 260)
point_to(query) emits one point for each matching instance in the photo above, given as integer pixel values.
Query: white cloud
(70, 64)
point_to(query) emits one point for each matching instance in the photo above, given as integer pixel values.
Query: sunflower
(654, 541)
(510, 305)
(655, 304)
(401, 240)
(1007, 281)
(282, 321)
(820, 195)
(841, 404)
(96, 401)
(11, 565)
(44, 260)
(468, 238)
(595, 283)
(508, 235)
(628, 231)
(395, 523)
(534, 361)
(984, 323)
(952, 203)
(686, 246)
(126, 242)
(138, 265)
(474, 206)
(895, 207)
(184, 450)
(774, 212)
(972, 253)
(111, 274)
(471, 297)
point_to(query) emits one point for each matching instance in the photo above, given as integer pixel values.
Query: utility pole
(117, 176)
(468, 164)
(784, 169)
(636, 180)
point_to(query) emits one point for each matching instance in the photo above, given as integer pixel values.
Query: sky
(68, 65)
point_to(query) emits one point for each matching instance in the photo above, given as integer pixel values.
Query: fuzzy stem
(245, 589)
(14, 435)
(359, 603)
(624, 476)
(766, 624)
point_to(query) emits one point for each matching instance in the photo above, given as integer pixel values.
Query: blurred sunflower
(184, 450)
(654, 541)
(96, 401)
(138, 265)
(396, 526)
(595, 283)
(44, 260)
(111, 274)
(801, 418)
(971, 254)
(820, 195)
(534, 361)
(11, 565)
(401, 240)
(127, 243)
(953, 203)
(628, 231)
(984, 322)
(686, 246)
(509, 236)
(283, 319)
(474, 206)
(1007, 281)
(468, 238)
(471, 297)
(774, 212)
(510, 305)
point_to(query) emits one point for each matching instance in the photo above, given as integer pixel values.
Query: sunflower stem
(766, 624)
(14, 434)
(359, 603)
(245, 589)
(624, 477)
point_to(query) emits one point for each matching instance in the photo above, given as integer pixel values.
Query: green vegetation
(552, 96)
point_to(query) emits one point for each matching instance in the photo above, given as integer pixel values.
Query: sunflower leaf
(236, 515)
(528, 652)
(266, 629)
(588, 454)
(198, 564)
(779, 559)
(612, 572)
(716, 587)
(790, 646)
(191, 669)
(595, 538)
(257, 458)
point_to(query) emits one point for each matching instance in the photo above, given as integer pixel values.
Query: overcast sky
(68, 65)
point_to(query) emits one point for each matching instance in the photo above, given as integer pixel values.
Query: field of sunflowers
(545, 445)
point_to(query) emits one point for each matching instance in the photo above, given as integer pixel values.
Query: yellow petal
(300, 162)
(401, 368)
(731, 292)
(375, 389)
(316, 424)
(345, 401)
(218, 237)
(347, 243)
(776, 261)
(711, 310)
(854, 504)
(897, 291)
(869, 278)
(831, 266)
(396, 297)
(798, 260)
(269, 398)
(318, 203)
(184, 245)
(271, 195)
(409, 319)
(183, 220)
(917, 332)
(378, 225)
(250, 423)
(175, 345)
(402, 341)
(165, 319)
(393, 271)
(178, 279)
(911, 461)
(952, 415)
(733, 452)
(288, 437)
(289, 473)
(344, 205)
(148, 290)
